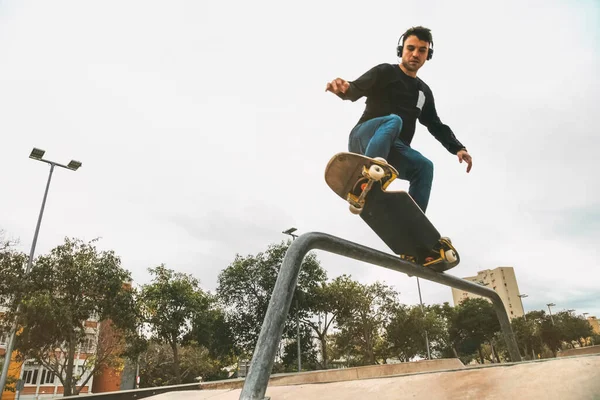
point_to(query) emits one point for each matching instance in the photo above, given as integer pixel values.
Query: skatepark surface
(564, 378)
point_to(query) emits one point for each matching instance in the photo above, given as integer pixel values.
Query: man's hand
(337, 86)
(463, 155)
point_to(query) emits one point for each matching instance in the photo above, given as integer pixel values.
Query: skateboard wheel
(354, 209)
(381, 159)
(450, 256)
(376, 172)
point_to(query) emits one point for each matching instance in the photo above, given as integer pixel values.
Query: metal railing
(263, 358)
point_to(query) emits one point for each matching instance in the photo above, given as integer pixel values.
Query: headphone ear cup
(399, 51)
(430, 53)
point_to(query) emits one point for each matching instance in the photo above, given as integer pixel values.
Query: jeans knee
(426, 169)
(394, 121)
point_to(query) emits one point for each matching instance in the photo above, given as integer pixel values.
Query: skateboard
(393, 215)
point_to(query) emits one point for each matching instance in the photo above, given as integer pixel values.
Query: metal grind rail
(255, 384)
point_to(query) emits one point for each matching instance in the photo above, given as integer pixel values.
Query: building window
(88, 345)
(30, 376)
(47, 377)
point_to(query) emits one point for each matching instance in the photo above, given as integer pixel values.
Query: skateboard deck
(392, 215)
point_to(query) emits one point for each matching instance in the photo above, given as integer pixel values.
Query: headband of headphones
(400, 48)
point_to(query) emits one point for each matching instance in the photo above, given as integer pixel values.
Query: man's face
(414, 53)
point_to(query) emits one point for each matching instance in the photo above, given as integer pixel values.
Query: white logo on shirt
(421, 100)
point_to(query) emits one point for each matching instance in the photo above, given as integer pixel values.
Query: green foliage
(474, 323)
(72, 284)
(405, 333)
(573, 329)
(170, 304)
(443, 334)
(308, 353)
(12, 280)
(327, 302)
(366, 312)
(157, 365)
(246, 285)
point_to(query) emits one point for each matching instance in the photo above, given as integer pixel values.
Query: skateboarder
(396, 98)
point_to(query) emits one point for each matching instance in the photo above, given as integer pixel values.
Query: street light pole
(422, 311)
(36, 154)
(291, 233)
(551, 305)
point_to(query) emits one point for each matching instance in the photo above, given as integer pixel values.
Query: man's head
(415, 48)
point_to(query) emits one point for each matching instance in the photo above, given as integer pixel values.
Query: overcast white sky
(176, 107)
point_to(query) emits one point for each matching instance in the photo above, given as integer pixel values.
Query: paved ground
(562, 378)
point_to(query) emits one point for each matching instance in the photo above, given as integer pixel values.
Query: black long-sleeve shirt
(390, 91)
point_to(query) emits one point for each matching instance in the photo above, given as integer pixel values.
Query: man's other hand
(337, 86)
(463, 155)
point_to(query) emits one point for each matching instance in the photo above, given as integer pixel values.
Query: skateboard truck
(447, 254)
(375, 173)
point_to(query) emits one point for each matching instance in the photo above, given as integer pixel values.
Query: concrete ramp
(562, 378)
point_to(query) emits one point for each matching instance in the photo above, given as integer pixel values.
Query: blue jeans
(379, 137)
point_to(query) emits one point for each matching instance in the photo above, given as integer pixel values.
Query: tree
(362, 322)
(327, 302)
(308, 352)
(405, 333)
(246, 285)
(475, 322)
(74, 284)
(524, 331)
(550, 335)
(157, 364)
(170, 303)
(211, 331)
(443, 334)
(573, 329)
(12, 280)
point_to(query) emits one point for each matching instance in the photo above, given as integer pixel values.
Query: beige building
(503, 281)
(593, 321)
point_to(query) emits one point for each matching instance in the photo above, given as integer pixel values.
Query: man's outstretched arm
(354, 90)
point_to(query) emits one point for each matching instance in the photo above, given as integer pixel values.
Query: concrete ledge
(579, 351)
(347, 374)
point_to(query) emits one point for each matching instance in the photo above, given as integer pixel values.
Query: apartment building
(39, 382)
(503, 281)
